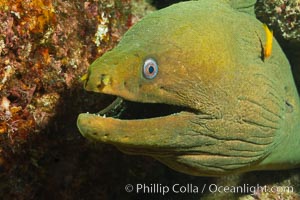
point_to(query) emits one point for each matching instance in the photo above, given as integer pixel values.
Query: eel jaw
(190, 142)
(145, 133)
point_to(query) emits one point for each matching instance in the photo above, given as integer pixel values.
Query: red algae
(45, 46)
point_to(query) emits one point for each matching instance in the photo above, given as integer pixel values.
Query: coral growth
(276, 192)
(45, 46)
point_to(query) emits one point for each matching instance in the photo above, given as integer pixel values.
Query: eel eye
(150, 69)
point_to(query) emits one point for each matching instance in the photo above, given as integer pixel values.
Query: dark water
(162, 3)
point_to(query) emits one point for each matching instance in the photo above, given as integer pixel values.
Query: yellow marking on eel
(84, 77)
(269, 40)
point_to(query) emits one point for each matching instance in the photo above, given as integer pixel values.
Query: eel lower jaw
(139, 125)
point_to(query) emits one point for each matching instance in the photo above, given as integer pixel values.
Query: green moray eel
(235, 111)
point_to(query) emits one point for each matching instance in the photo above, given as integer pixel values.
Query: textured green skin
(209, 57)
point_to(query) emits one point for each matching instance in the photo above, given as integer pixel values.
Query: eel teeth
(115, 109)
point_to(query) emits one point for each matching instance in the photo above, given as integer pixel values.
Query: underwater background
(45, 47)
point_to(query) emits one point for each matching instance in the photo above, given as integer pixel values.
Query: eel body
(228, 110)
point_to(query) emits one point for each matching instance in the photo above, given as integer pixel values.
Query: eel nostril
(104, 80)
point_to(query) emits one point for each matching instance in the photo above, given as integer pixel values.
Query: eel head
(177, 97)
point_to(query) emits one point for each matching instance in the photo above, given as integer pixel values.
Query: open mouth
(123, 109)
(137, 127)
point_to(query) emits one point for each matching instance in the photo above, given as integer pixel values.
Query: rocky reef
(45, 47)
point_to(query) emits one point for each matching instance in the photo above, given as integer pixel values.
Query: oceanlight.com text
(161, 189)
